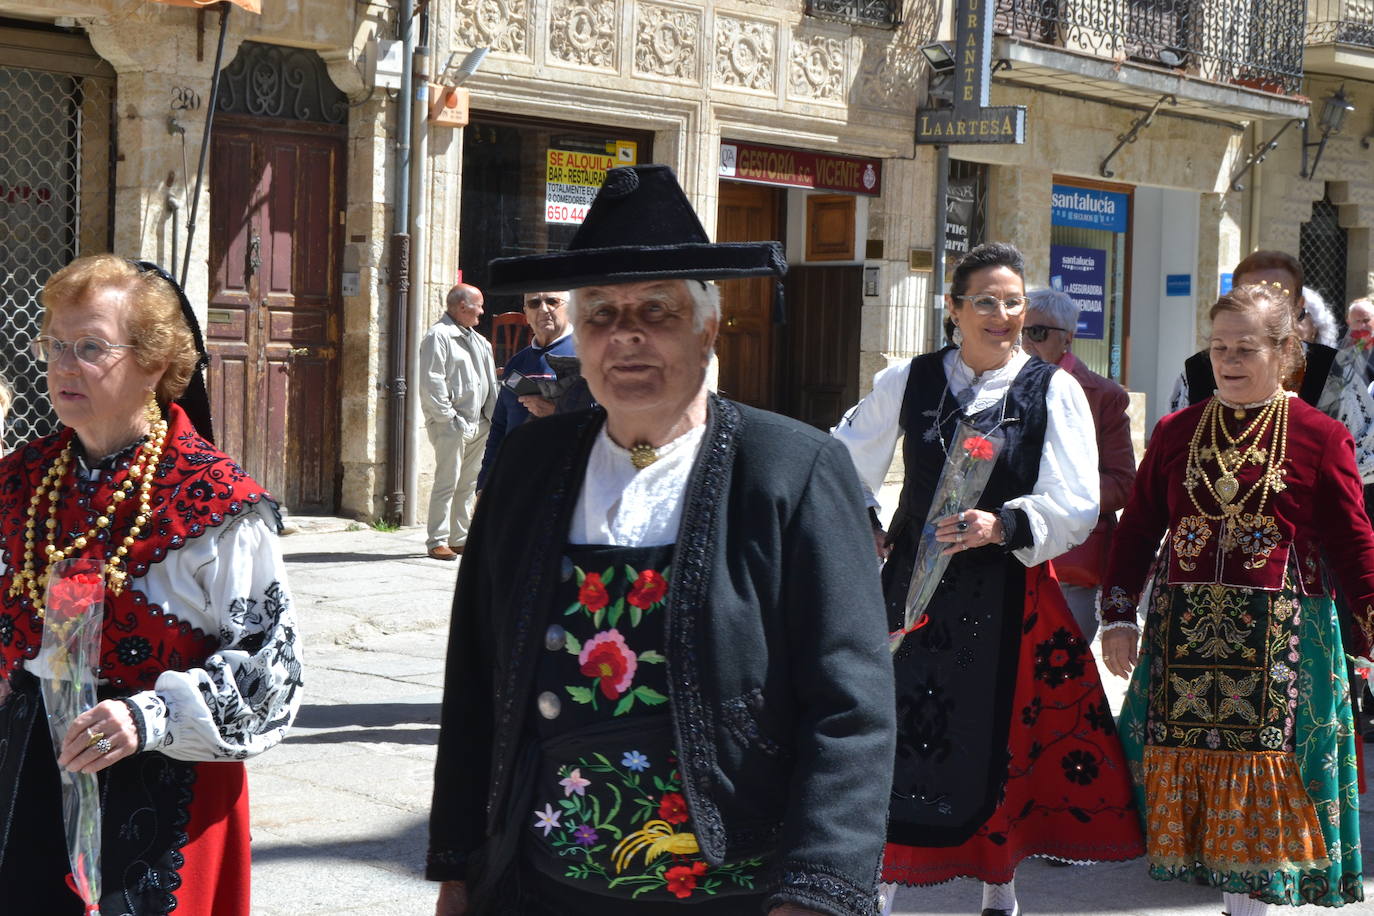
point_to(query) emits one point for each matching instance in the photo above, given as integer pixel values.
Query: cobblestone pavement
(340, 808)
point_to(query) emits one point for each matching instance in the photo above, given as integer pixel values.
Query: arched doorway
(277, 177)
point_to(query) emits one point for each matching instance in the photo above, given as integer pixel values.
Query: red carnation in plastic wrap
(72, 595)
(593, 594)
(682, 879)
(606, 657)
(979, 448)
(648, 589)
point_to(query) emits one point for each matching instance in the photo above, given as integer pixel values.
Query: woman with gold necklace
(1238, 721)
(197, 660)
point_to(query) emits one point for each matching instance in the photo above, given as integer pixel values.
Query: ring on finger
(961, 518)
(95, 736)
(962, 526)
(103, 746)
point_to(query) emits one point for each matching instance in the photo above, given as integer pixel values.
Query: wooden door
(273, 324)
(820, 368)
(748, 213)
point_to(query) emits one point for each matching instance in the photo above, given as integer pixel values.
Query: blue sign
(1082, 273)
(1178, 284)
(1088, 208)
(1225, 284)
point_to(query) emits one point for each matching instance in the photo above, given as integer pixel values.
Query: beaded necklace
(28, 580)
(1231, 453)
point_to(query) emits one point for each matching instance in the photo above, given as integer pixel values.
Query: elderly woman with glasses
(1237, 722)
(196, 666)
(1051, 320)
(1006, 747)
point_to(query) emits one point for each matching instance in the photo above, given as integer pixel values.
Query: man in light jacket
(458, 396)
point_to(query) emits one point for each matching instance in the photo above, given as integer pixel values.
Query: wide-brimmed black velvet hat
(640, 227)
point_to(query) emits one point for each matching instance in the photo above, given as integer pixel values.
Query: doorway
(748, 213)
(273, 325)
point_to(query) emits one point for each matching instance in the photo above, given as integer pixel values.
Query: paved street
(339, 809)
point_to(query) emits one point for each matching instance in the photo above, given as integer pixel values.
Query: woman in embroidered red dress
(198, 663)
(1237, 724)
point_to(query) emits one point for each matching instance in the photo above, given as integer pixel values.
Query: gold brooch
(642, 454)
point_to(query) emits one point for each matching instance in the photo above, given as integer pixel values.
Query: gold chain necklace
(1272, 422)
(28, 581)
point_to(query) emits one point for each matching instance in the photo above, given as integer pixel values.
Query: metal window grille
(55, 204)
(1254, 43)
(882, 13)
(1322, 249)
(1347, 21)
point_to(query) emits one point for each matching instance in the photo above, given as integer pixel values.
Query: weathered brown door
(820, 343)
(273, 325)
(747, 213)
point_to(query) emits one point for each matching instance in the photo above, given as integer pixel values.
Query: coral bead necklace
(28, 580)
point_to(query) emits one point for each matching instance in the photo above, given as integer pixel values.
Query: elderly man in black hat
(677, 690)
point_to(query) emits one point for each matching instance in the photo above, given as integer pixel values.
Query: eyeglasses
(89, 350)
(1037, 333)
(552, 302)
(988, 304)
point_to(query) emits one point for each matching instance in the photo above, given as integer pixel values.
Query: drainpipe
(419, 264)
(937, 250)
(400, 283)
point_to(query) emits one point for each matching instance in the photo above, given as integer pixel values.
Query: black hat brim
(636, 264)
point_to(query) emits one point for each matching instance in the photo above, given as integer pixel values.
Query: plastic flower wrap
(71, 640)
(965, 476)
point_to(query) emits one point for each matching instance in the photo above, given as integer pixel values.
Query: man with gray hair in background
(1051, 320)
(457, 397)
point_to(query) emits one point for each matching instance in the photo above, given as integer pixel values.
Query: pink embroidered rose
(606, 658)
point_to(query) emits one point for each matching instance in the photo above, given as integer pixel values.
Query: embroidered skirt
(1239, 732)
(1060, 789)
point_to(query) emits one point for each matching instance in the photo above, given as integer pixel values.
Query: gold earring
(152, 409)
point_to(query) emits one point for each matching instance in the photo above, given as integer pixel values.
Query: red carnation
(592, 594)
(71, 595)
(606, 658)
(648, 589)
(1361, 338)
(673, 808)
(978, 448)
(682, 879)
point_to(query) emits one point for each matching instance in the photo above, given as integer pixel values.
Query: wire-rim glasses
(91, 351)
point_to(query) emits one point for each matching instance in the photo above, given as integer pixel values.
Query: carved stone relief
(817, 68)
(501, 25)
(582, 32)
(888, 76)
(746, 54)
(667, 41)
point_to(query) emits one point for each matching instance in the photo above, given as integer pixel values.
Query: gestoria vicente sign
(794, 168)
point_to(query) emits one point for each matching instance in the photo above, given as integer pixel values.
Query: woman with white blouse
(198, 666)
(1005, 743)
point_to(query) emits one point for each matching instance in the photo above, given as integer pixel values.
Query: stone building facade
(791, 119)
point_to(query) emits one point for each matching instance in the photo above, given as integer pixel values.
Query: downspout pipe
(419, 270)
(400, 281)
(934, 339)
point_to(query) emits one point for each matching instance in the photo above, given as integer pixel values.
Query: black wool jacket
(780, 681)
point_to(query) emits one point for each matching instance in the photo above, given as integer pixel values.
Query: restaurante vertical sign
(971, 119)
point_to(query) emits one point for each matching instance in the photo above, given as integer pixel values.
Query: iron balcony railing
(1255, 43)
(885, 14)
(1344, 21)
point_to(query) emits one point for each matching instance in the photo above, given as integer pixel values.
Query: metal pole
(419, 272)
(400, 282)
(205, 140)
(937, 252)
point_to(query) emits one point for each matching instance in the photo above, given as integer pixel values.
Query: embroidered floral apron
(609, 816)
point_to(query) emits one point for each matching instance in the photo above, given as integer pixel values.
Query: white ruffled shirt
(625, 507)
(231, 584)
(1063, 505)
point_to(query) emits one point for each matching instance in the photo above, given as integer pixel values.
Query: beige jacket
(457, 377)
